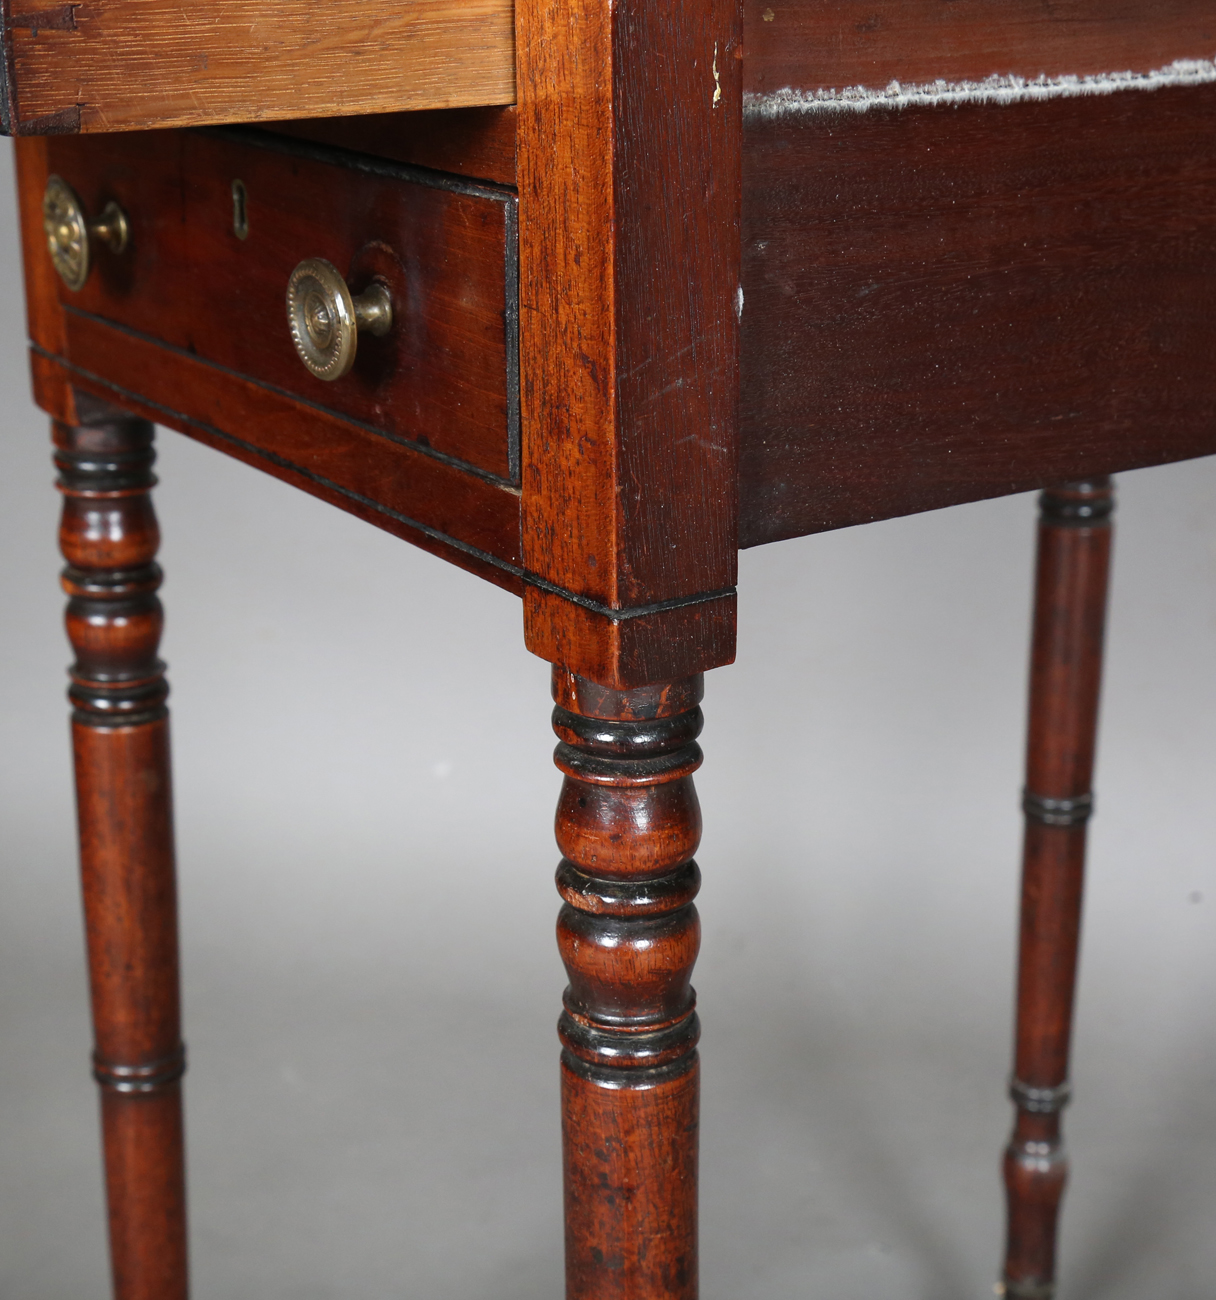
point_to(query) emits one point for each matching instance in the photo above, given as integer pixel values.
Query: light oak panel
(114, 65)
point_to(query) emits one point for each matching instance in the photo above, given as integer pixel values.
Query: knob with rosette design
(325, 318)
(71, 236)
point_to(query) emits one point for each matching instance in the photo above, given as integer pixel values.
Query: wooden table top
(113, 65)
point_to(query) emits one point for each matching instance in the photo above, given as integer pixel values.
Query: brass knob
(325, 319)
(70, 235)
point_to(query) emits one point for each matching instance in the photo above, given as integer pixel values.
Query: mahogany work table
(583, 296)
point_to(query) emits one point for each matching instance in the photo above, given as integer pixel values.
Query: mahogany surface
(109, 538)
(813, 45)
(404, 487)
(731, 320)
(442, 378)
(475, 142)
(628, 824)
(1065, 675)
(949, 303)
(629, 206)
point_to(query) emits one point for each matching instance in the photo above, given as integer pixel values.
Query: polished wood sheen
(720, 276)
(629, 161)
(120, 735)
(474, 142)
(120, 65)
(104, 342)
(442, 379)
(951, 303)
(834, 44)
(628, 824)
(1065, 674)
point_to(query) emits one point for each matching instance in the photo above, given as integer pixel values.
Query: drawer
(218, 221)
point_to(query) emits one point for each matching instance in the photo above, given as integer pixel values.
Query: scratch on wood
(992, 90)
(717, 82)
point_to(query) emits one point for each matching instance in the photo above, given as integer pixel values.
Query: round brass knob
(325, 319)
(70, 235)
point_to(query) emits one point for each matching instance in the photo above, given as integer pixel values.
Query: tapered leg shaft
(1066, 664)
(120, 737)
(628, 824)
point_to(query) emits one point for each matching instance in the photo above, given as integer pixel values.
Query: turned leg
(628, 824)
(120, 739)
(1066, 664)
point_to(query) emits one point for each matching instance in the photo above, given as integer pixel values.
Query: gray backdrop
(365, 800)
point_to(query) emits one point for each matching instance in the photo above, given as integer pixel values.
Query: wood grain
(278, 431)
(633, 650)
(469, 519)
(109, 538)
(951, 303)
(74, 387)
(442, 378)
(628, 824)
(1072, 574)
(629, 136)
(474, 142)
(834, 44)
(43, 313)
(120, 65)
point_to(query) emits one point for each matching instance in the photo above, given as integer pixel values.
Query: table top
(107, 65)
(824, 269)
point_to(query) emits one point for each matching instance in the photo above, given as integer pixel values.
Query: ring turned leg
(120, 738)
(1066, 663)
(628, 823)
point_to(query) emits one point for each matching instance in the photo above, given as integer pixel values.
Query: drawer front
(444, 377)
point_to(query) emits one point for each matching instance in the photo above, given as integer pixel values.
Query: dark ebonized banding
(1078, 505)
(1074, 811)
(109, 536)
(149, 1077)
(1039, 1101)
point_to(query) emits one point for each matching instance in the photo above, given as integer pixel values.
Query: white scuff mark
(739, 303)
(992, 90)
(717, 83)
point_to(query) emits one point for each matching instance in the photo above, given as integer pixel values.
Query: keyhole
(240, 218)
